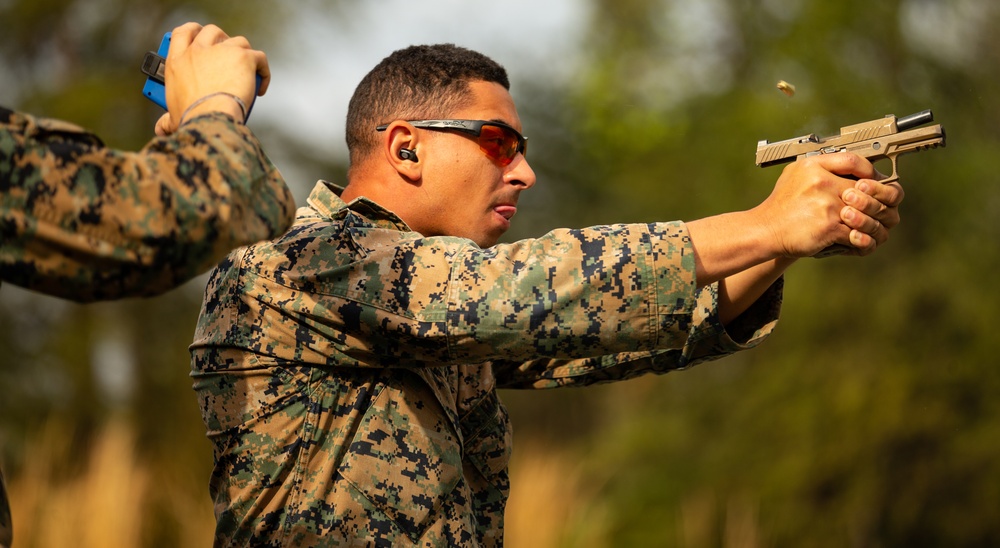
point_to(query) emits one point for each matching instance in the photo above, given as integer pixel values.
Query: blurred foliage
(78, 60)
(867, 419)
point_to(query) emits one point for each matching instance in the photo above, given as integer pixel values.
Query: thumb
(164, 126)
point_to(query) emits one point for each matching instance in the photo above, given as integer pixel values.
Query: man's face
(467, 193)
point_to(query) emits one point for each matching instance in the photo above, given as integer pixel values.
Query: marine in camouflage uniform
(84, 222)
(347, 372)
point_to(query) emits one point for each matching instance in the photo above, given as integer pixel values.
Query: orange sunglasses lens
(498, 143)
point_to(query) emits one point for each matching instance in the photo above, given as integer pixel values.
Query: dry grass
(105, 498)
(110, 497)
(703, 519)
(550, 504)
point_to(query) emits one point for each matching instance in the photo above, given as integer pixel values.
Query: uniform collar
(325, 199)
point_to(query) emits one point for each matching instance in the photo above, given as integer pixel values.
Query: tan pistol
(879, 139)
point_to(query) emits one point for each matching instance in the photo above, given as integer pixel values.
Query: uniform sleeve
(81, 221)
(390, 299)
(708, 340)
(611, 304)
(576, 293)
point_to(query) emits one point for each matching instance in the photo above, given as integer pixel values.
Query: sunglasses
(497, 140)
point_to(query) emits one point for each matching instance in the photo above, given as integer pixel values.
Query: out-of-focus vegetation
(868, 418)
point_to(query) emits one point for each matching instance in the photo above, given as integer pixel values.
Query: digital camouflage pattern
(84, 222)
(347, 372)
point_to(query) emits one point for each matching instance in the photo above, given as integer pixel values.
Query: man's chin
(489, 240)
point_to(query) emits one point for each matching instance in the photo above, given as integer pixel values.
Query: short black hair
(417, 82)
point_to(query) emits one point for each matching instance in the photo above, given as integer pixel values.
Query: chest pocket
(406, 458)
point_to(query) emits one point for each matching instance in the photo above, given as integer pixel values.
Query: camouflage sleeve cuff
(709, 338)
(690, 316)
(211, 117)
(674, 283)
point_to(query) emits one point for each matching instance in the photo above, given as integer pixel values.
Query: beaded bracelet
(243, 106)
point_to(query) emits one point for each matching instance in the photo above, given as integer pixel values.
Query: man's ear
(400, 147)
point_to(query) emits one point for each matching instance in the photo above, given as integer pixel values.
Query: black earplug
(407, 154)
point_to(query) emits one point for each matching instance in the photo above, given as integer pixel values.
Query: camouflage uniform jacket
(84, 222)
(347, 372)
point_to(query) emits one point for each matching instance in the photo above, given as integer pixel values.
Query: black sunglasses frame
(471, 127)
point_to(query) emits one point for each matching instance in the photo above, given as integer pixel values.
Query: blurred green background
(869, 418)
